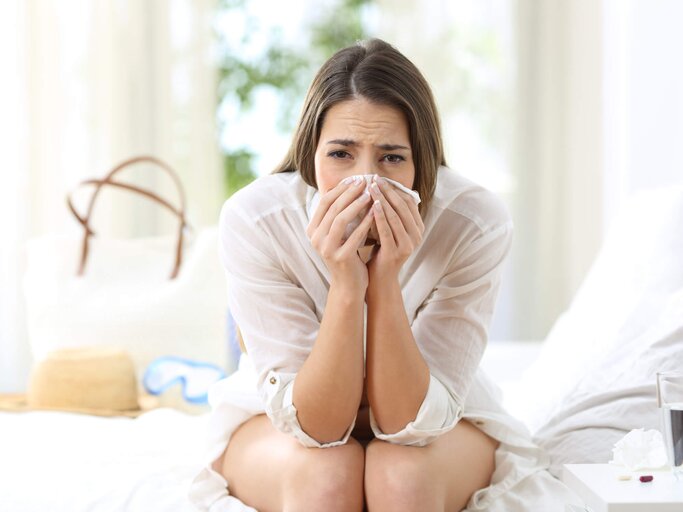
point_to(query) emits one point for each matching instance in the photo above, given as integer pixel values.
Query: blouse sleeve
(275, 315)
(451, 331)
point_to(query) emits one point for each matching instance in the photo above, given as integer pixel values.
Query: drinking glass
(670, 403)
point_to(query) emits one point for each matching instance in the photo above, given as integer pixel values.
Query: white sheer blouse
(278, 285)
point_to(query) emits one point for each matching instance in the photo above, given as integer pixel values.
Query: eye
(339, 153)
(393, 159)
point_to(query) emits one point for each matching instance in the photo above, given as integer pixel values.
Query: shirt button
(273, 380)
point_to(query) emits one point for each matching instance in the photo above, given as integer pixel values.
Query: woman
(363, 343)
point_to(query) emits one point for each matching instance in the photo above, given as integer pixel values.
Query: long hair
(376, 71)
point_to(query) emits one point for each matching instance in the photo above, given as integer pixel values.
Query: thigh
(440, 476)
(269, 470)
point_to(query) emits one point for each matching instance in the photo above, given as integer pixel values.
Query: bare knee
(440, 476)
(400, 478)
(327, 479)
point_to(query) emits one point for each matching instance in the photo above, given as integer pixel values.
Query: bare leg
(441, 476)
(272, 471)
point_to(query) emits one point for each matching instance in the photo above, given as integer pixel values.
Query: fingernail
(381, 181)
(348, 180)
(378, 205)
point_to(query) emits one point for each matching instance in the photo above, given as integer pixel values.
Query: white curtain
(559, 156)
(91, 84)
(13, 186)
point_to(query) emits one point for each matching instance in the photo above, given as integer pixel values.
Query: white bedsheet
(70, 462)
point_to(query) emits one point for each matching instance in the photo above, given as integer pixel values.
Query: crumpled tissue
(368, 181)
(640, 449)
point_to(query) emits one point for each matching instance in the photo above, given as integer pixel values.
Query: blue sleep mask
(195, 377)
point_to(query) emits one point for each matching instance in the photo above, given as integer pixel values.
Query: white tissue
(640, 449)
(368, 181)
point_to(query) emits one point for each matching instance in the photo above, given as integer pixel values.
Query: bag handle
(108, 180)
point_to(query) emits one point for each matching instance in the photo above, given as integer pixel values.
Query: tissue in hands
(373, 237)
(640, 449)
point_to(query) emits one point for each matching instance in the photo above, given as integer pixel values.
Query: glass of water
(670, 402)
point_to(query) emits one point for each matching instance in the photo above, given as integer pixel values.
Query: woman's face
(360, 137)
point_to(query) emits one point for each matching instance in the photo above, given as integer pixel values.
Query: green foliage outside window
(286, 69)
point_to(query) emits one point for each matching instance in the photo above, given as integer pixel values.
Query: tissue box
(598, 485)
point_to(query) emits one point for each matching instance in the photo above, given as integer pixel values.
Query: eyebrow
(351, 142)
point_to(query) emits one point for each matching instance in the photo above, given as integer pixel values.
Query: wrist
(382, 288)
(348, 291)
(381, 272)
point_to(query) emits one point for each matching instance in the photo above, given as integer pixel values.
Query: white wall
(643, 92)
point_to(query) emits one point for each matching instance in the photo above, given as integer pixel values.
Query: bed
(72, 462)
(582, 389)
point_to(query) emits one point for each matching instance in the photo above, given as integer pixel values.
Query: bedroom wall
(643, 88)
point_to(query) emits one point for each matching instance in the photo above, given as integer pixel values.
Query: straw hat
(89, 380)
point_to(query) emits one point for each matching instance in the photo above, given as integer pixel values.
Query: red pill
(646, 478)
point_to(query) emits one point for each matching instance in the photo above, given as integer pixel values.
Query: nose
(365, 165)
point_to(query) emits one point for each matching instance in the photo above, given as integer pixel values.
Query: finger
(414, 210)
(401, 207)
(386, 237)
(326, 201)
(355, 239)
(398, 230)
(341, 221)
(332, 208)
(412, 205)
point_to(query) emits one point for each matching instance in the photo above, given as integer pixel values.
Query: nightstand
(602, 491)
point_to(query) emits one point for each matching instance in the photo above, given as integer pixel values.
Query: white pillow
(125, 298)
(629, 301)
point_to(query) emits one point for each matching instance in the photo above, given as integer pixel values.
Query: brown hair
(378, 72)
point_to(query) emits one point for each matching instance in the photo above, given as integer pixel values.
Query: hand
(336, 209)
(400, 230)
